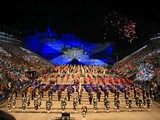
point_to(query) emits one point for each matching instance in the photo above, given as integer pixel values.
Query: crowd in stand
(148, 57)
(14, 61)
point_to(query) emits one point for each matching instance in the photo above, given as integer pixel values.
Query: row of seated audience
(146, 58)
(14, 61)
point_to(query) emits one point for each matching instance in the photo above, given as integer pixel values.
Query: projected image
(68, 47)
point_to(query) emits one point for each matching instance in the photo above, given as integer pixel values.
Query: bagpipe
(70, 88)
(45, 87)
(120, 87)
(63, 87)
(54, 88)
(89, 87)
(111, 88)
(36, 84)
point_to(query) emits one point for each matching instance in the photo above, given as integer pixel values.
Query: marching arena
(36, 89)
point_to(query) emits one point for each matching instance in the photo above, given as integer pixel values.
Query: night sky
(83, 18)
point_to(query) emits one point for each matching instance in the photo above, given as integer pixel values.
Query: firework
(121, 26)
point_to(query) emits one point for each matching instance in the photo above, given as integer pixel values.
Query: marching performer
(14, 100)
(48, 105)
(75, 102)
(9, 104)
(59, 94)
(63, 104)
(79, 97)
(130, 105)
(149, 102)
(36, 103)
(23, 104)
(106, 104)
(144, 100)
(127, 101)
(95, 103)
(118, 104)
(28, 100)
(140, 103)
(84, 111)
(90, 98)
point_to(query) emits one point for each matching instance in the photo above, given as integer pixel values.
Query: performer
(106, 93)
(24, 105)
(128, 93)
(36, 103)
(117, 93)
(79, 97)
(143, 93)
(115, 100)
(15, 90)
(135, 93)
(39, 102)
(28, 100)
(151, 93)
(59, 94)
(89, 90)
(41, 92)
(24, 93)
(106, 104)
(63, 104)
(125, 92)
(130, 105)
(14, 100)
(137, 100)
(84, 111)
(127, 101)
(23, 99)
(90, 98)
(140, 103)
(48, 105)
(75, 101)
(138, 93)
(118, 104)
(99, 94)
(69, 92)
(50, 92)
(33, 93)
(147, 93)
(149, 102)
(144, 100)
(9, 104)
(95, 103)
